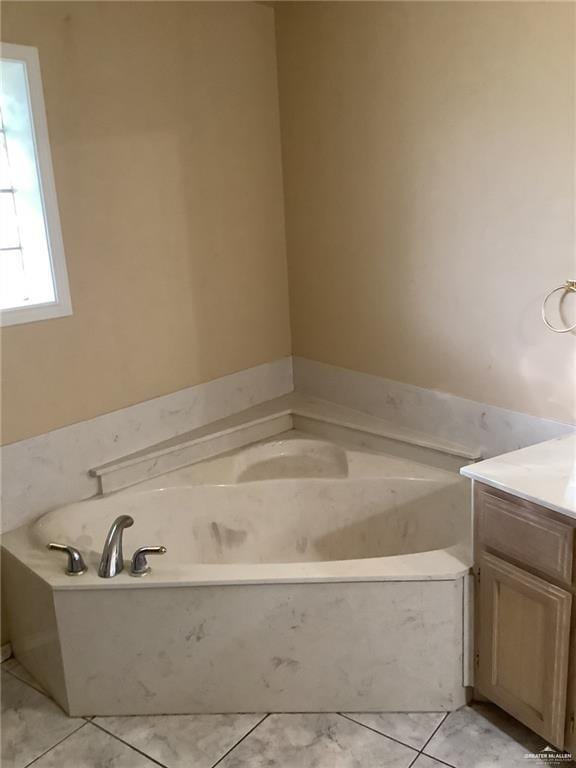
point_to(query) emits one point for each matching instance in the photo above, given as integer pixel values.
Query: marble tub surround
(311, 409)
(349, 458)
(544, 474)
(219, 437)
(36, 732)
(365, 516)
(159, 436)
(489, 429)
(368, 550)
(173, 431)
(258, 648)
(44, 472)
(306, 414)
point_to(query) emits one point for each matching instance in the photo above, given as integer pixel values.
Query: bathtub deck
(36, 731)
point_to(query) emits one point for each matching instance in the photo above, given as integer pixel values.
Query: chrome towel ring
(568, 287)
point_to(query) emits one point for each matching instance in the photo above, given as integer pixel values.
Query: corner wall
(164, 128)
(429, 155)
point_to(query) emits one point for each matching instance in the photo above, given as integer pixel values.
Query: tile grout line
(126, 743)
(259, 723)
(88, 721)
(381, 733)
(42, 692)
(82, 725)
(26, 682)
(435, 731)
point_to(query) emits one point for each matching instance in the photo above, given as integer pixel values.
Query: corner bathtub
(299, 576)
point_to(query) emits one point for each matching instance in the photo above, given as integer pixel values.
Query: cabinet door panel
(524, 634)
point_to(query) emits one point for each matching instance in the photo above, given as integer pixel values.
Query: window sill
(21, 315)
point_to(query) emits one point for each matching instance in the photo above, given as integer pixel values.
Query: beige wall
(163, 120)
(429, 164)
(428, 157)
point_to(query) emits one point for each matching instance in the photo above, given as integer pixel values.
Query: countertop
(544, 473)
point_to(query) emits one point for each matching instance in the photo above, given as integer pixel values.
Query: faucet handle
(76, 565)
(139, 565)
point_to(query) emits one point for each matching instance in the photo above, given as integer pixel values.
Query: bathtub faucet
(112, 560)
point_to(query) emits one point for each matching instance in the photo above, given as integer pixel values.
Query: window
(33, 279)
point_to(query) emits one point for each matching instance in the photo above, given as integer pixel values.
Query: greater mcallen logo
(549, 756)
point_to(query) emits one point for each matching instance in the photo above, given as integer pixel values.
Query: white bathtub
(299, 576)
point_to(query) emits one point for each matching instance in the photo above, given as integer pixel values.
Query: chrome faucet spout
(112, 560)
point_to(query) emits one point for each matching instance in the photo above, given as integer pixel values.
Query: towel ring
(569, 286)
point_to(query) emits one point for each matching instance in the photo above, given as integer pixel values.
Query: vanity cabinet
(524, 650)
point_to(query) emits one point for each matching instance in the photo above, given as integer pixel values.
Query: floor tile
(31, 723)
(15, 668)
(482, 736)
(181, 741)
(92, 748)
(316, 741)
(413, 729)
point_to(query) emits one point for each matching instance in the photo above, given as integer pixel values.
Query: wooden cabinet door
(523, 645)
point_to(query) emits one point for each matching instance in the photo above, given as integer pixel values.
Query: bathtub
(300, 575)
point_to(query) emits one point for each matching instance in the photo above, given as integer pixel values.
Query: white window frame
(62, 305)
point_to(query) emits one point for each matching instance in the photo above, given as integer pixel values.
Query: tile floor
(36, 732)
